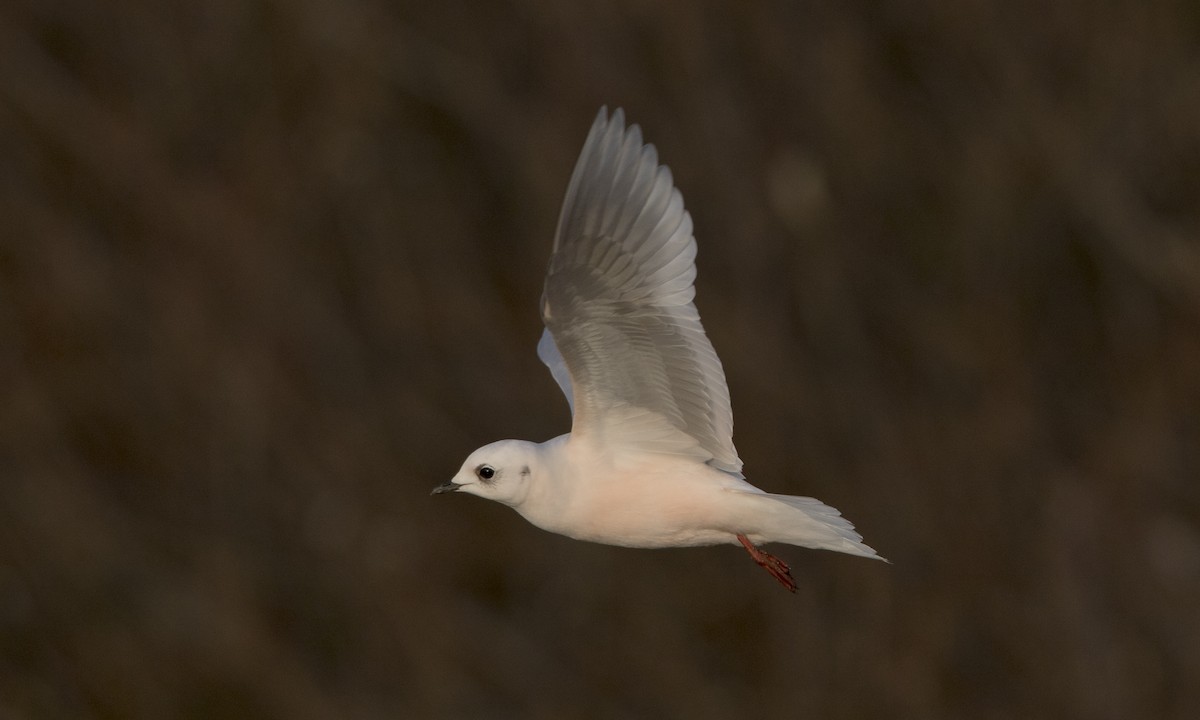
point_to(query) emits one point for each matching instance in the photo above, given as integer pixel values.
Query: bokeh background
(270, 270)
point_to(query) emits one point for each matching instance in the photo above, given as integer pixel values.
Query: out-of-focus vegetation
(269, 271)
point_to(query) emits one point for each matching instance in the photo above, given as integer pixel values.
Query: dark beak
(445, 487)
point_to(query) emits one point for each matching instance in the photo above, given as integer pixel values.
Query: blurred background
(270, 270)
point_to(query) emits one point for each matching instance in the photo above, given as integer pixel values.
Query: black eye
(485, 472)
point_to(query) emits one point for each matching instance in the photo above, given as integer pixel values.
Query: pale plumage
(649, 461)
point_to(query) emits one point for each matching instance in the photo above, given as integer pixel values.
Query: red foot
(778, 568)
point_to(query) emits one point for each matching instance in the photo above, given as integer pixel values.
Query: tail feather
(808, 522)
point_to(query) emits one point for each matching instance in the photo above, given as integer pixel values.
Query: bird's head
(500, 471)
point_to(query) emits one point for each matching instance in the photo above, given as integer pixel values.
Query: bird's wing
(624, 340)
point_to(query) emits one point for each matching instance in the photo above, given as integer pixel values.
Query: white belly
(657, 503)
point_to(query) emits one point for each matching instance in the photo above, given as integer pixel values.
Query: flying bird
(649, 461)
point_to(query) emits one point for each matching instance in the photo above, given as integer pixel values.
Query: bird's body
(649, 461)
(587, 490)
(646, 500)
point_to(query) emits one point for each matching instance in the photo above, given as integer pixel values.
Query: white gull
(649, 461)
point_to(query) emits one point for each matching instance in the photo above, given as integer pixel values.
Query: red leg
(778, 568)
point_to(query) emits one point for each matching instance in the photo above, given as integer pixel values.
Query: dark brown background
(269, 271)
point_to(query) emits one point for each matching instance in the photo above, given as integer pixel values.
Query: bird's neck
(548, 488)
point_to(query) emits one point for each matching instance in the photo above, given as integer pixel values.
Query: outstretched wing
(625, 341)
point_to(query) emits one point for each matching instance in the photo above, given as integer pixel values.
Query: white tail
(807, 522)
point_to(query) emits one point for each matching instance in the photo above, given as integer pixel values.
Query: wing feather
(623, 340)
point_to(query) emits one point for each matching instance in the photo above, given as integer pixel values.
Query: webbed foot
(778, 568)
